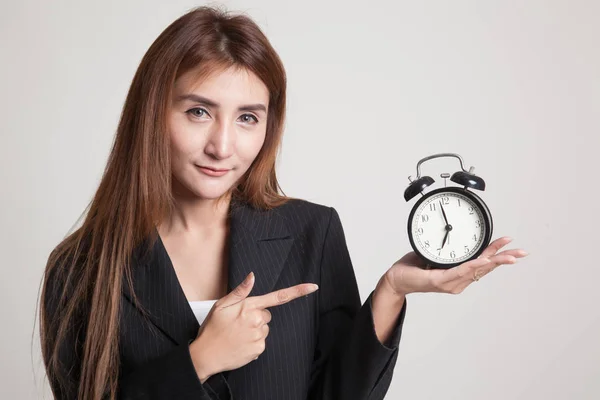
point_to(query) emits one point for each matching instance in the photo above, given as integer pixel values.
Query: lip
(213, 171)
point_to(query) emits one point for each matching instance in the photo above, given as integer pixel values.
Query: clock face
(453, 239)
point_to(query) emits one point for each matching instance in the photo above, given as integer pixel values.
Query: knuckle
(247, 316)
(282, 296)
(261, 346)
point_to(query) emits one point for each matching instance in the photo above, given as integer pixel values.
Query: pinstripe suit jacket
(322, 346)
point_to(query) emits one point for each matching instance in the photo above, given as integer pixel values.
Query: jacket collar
(259, 241)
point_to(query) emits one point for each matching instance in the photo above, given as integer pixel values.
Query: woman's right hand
(234, 331)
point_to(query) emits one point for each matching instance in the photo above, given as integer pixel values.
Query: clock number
(477, 223)
(420, 230)
(439, 250)
(466, 249)
(452, 254)
(425, 218)
(431, 206)
(458, 201)
(427, 244)
(446, 200)
(475, 237)
(470, 210)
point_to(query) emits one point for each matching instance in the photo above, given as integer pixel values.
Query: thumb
(240, 292)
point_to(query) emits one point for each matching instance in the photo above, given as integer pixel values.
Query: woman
(192, 276)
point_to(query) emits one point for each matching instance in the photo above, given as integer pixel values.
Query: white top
(201, 309)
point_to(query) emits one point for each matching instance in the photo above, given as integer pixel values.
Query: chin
(205, 188)
(210, 191)
(208, 194)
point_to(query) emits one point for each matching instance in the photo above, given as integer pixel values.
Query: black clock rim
(487, 217)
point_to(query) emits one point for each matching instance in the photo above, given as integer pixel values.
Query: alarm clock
(450, 225)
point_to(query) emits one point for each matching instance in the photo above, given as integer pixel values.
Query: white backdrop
(512, 86)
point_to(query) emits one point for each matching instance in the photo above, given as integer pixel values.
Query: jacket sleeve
(172, 376)
(350, 362)
(169, 376)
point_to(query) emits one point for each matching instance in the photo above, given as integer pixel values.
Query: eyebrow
(201, 99)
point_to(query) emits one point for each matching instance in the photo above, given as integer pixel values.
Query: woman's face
(216, 124)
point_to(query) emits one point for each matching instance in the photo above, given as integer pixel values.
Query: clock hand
(448, 226)
(445, 237)
(444, 212)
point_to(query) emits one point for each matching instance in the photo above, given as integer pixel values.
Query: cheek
(249, 147)
(182, 145)
(178, 146)
(176, 136)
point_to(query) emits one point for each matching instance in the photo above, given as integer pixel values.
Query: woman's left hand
(408, 276)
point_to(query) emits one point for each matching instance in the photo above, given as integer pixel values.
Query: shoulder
(57, 287)
(303, 208)
(307, 217)
(62, 273)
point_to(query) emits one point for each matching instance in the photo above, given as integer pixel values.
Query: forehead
(226, 85)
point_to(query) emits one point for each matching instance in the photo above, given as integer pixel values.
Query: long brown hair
(87, 268)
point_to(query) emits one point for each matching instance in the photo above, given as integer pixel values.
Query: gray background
(512, 86)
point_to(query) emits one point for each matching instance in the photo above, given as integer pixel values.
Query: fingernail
(248, 279)
(523, 253)
(508, 238)
(311, 289)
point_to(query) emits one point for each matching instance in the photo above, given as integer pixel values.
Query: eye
(251, 116)
(198, 112)
(194, 114)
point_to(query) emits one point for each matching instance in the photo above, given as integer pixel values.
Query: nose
(221, 141)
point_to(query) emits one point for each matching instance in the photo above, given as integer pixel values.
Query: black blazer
(321, 346)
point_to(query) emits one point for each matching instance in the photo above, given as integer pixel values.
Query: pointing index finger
(282, 296)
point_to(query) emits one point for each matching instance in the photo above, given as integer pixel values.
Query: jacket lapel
(159, 293)
(259, 241)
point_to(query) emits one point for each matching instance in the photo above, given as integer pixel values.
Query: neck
(195, 215)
